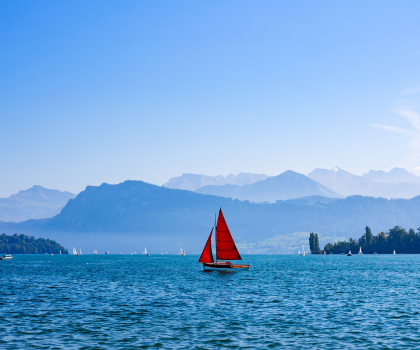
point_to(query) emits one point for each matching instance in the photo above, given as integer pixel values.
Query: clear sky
(105, 91)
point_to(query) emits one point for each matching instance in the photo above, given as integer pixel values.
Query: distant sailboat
(360, 251)
(393, 252)
(325, 253)
(81, 251)
(181, 252)
(106, 253)
(349, 254)
(299, 252)
(95, 252)
(145, 252)
(225, 249)
(60, 251)
(303, 251)
(75, 251)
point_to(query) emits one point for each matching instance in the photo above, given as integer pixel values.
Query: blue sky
(100, 91)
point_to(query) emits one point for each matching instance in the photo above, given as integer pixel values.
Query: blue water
(168, 302)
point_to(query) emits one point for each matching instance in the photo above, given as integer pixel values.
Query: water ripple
(168, 302)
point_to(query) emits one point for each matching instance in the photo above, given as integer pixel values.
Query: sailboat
(393, 252)
(225, 249)
(81, 251)
(181, 252)
(325, 253)
(360, 251)
(75, 251)
(145, 252)
(299, 252)
(349, 254)
(60, 251)
(303, 251)
(95, 252)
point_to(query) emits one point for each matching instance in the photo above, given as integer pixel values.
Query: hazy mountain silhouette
(34, 203)
(348, 184)
(135, 214)
(396, 175)
(287, 185)
(191, 182)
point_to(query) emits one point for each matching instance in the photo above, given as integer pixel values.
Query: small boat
(393, 252)
(349, 254)
(145, 252)
(95, 252)
(81, 251)
(225, 249)
(75, 251)
(303, 251)
(52, 254)
(181, 252)
(360, 251)
(106, 252)
(299, 252)
(375, 253)
(60, 251)
(325, 253)
(7, 257)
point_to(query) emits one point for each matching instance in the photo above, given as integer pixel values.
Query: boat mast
(215, 234)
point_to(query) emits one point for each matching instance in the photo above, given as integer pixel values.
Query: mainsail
(207, 255)
(225, 246)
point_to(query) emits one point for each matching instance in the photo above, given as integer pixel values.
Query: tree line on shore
(397, 239)
(22, 244)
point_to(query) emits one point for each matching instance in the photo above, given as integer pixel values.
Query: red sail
(207, 255)
(225, 246)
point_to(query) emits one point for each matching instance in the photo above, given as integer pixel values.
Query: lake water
(168, 302)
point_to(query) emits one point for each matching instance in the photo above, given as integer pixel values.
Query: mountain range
(192, 182)
(398, 183)
(34, 203)
(38, 202)
(134, 214)
(287, 185)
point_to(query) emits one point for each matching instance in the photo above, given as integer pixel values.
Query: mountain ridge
(138, 214)
(36, 202)
(287, 185)
(192, 182)
(349, 184)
